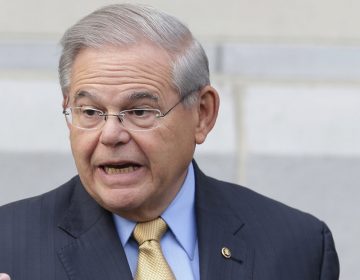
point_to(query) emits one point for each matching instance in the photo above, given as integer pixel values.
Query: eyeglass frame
(121, 115)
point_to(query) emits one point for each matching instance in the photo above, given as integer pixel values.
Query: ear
(64, 104)
(208, 107)
(65, 101)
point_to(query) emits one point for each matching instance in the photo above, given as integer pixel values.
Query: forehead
(143, 67)
(137, 52)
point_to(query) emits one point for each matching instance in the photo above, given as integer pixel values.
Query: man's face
(135, 174)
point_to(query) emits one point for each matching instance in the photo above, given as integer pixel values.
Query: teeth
(119, 170)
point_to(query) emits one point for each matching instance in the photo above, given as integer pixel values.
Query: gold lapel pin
(226, 252)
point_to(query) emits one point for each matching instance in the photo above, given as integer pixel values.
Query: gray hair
(127, 24)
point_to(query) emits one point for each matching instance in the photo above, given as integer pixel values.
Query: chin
(120, 200)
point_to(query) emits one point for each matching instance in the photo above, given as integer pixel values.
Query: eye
(140, 112)
(91, 112)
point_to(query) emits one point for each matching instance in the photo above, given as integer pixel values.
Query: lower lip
(121, 179)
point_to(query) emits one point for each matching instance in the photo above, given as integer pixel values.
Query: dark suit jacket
(65, 234)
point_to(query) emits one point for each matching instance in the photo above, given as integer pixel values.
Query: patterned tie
(151, 262)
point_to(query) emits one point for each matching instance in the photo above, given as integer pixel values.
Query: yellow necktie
(151, 262)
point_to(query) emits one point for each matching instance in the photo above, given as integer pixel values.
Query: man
(137, 100)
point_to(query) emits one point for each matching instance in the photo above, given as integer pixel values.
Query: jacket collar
(220, 227)
(95, 251)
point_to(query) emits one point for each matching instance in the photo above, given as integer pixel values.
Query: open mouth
(120, 169)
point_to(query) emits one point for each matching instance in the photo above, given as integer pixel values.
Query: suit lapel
(95, 251)
(220, 228)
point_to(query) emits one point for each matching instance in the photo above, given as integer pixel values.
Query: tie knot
(152, 230)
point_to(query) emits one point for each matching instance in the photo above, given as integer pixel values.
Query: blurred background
(288, 72)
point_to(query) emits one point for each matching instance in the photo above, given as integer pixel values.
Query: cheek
(176, 143)
(83, 145)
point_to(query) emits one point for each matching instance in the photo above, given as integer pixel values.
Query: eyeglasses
(139, 119)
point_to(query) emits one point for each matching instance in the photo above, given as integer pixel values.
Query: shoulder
(255, 209)
(51, 201)
(272, 231)
(29, 227)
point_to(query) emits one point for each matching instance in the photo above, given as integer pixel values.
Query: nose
(113, 132)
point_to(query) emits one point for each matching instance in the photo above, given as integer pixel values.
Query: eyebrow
(143, 95)
(83, 94)
(138, 95)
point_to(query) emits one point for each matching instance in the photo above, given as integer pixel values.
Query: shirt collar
(179, 215)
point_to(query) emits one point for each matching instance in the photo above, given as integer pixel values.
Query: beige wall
(333, 21)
